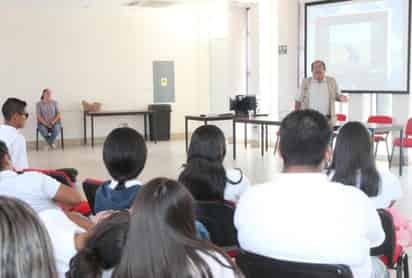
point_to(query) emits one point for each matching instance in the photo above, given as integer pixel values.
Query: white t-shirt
(62, 232)
(234, 191)
(390, 189)
(216, 268)
(306, 218)
(16, 144)
(36, 189)
(319, 96)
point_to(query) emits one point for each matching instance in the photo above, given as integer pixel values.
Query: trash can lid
(160, 107)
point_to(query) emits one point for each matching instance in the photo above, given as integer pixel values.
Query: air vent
(150, 3)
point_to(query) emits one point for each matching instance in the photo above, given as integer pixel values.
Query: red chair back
(341, 117)
(380, 119)
(408, 130)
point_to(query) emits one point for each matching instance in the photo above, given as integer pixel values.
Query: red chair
(341, 117)
(406, 142)
(383, 136)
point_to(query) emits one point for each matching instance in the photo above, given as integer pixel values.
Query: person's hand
(101, 216)
(343, 98)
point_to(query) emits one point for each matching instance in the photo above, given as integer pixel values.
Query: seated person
(36, 189)
(354, 164)
(303, 216)
(15, 116)
(48, 118)
(124, 155)
(204, 174)
(162, 242)
(25, 249)
(83, 253)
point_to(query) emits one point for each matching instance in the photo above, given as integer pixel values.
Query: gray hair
(25, 246)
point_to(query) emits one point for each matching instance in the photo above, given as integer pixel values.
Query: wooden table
(114, 113)
(264, 121)
(205, 119)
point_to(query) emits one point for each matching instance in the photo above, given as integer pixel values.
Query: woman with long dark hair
(25, 249)
(124, 155)
(162, 243)
(102, 249)
(204, 174)
(354, 164)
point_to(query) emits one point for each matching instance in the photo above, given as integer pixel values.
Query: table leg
(401, 152)
(234, 139)
(245, 135)
(205, 122)
(92, 127)
(84, 128)
(154, 127)
(267, 137)
(262, 139)
(145, 116)
(187, 133)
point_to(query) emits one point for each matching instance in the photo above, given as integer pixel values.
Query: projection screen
(364, 43)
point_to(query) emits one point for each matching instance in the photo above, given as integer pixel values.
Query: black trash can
(160, 121)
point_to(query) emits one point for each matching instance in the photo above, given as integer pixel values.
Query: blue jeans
(51, 136)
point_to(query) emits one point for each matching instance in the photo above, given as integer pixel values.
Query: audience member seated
(25, 249)
(15, 116)
(124, 155)
(354, 164)
(48, 118)
(161, 241)
(204, 174)
(102, 249)
(36, 189)
(301, 216)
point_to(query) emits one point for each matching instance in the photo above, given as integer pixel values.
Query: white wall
(102, 55)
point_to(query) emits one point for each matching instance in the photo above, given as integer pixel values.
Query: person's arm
(67, 196)
(40, 119)
(299, 95)
(18, 153)
(375, 233)
(339, 96)
(57, 117)
(79, 220)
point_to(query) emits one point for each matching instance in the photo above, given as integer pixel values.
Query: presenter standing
(320, 92)
(48, 118)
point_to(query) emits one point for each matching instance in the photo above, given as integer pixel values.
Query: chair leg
(387, 148)
(376, 148)
(37, 139)
(62, 138)
(405, 266)
(276, 144)
(393, 151)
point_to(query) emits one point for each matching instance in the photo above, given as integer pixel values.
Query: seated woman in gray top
(48, 118)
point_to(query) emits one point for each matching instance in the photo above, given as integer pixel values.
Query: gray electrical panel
(163, 81)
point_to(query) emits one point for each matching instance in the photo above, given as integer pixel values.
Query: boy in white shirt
(302, 216)
(15, 116)
(36, 189)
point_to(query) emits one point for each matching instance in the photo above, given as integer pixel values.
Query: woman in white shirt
(204, 174)
(354, 164)
(162, 242)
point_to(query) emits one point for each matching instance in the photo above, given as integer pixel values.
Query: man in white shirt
(15, 116)
(302, 216)
(319, 92)
(36, 189)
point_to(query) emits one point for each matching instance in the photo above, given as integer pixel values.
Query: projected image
(364, 44)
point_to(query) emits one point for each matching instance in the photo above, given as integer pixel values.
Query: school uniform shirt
(62, 232)
(390, 188)
(36, 189)
(236, 185)
(216, 268)
(306, 218)
(16, 144)
(107, 198)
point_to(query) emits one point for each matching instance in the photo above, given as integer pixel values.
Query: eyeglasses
(25, 114)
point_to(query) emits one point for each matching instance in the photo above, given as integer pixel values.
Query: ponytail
(121, 185)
